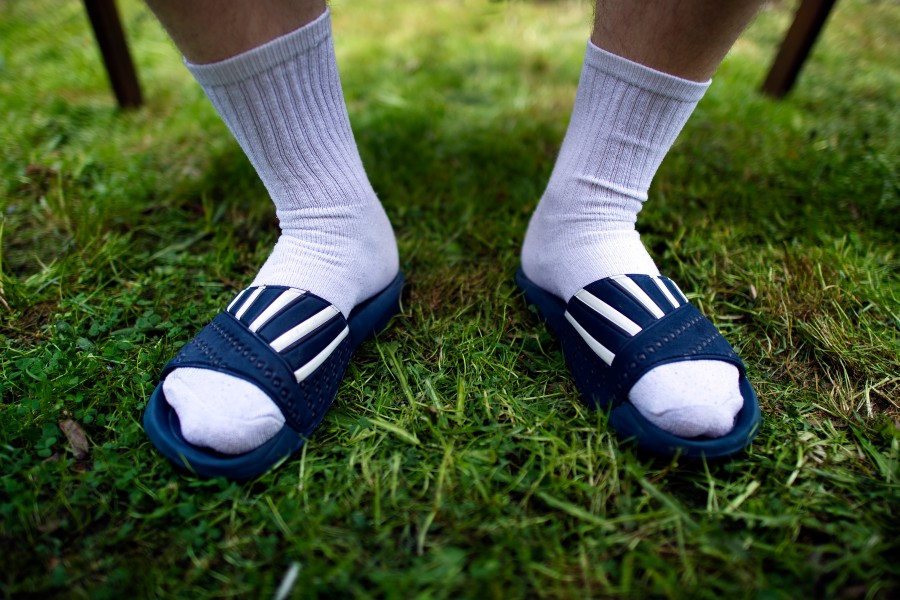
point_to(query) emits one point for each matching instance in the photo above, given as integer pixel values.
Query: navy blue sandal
(615, 330)
(294, 346)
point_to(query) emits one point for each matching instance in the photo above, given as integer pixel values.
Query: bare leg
(647, 67)
(212, 30)
(687, 39)
(268, 66)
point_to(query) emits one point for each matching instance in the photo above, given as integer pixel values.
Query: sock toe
(695, 421)
(690, 398)
(220, 411)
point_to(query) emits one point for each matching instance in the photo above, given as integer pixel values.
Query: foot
(688, 399)
(345, 267)
(284, 104)
(293, 345)
(625, 120)
(620, 331)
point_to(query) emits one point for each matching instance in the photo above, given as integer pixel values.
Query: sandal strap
(633, 323)
(292, 345)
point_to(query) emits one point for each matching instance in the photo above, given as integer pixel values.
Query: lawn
(457, 460)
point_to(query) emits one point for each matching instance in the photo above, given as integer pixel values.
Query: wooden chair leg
(795, 48)
(111, 38)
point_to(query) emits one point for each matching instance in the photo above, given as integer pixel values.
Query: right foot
(284, 104)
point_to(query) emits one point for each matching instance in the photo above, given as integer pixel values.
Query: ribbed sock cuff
(269, 55)
(644, 77)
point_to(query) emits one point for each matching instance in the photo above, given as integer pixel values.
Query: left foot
(625, 120)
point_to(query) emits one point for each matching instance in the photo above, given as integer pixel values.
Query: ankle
(562, 258)
(344, 261)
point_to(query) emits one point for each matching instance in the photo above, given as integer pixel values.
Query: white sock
(283, 103)
(625, 120)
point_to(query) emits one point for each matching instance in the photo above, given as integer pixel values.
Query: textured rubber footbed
(310, 401)
(589, 373)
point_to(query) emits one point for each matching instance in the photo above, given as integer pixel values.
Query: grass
(457, 461)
